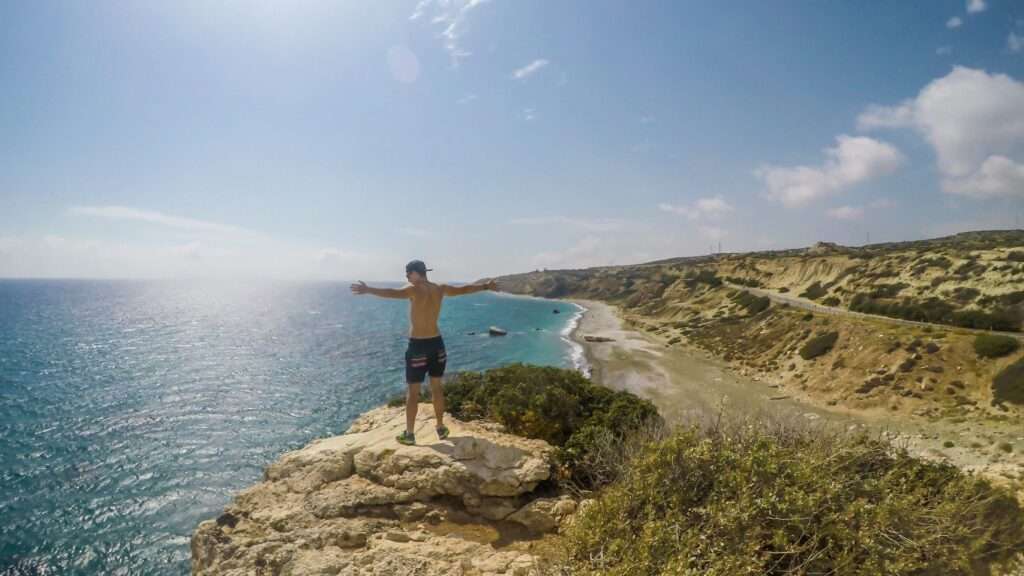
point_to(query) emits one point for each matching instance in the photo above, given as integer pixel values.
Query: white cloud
(153, 217)
(881, 203)
(584, 253)
(187, 247)
(467, 99)
(954, 22)
(886, 116)
(1015, 43)
(647, 119)
(997, 176)
(846, 213)
(421, 6)
(975, 6)
(943, 50)
(530, 69)
(413, 231)
(9, 244)
(975, 123)
(333, 256)
(712, 232)
(851, 161)
(191, 251)
(453, 14)
(711, 207)
(529, 114)
(589, 224)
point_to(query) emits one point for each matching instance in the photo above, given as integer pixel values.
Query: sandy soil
(686, 383)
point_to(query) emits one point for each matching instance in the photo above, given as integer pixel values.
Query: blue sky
(318, 140)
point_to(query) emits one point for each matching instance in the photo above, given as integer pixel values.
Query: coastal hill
(546, 473)
(972, 279)
(927, 328)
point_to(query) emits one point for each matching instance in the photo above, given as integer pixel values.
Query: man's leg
(437, 395)
(412, 402)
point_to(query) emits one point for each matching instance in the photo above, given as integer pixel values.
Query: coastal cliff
(924, 333)
(477, 503)
(723, 496)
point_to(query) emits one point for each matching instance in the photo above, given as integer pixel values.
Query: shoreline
(577, 350)
(687, 384)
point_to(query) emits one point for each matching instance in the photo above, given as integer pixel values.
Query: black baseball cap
(417, 266)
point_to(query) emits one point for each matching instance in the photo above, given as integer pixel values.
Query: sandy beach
(683, 383)
(686, 383)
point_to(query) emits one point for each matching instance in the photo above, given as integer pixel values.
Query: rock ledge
(361, 503)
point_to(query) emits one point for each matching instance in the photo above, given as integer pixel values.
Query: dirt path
(803, 303)
(687, 382)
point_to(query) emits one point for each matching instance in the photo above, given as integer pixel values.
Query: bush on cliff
(814, 291)
(703, 276)
(560, 406)
(995, 345)
(753, 304)
(753, 499)
(818, 345)
(938, 312)
(1008, 385)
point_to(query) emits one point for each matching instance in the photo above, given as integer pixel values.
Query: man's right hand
(360, 288)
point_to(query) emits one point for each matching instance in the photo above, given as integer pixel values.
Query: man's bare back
(426, 353)
(424, 309)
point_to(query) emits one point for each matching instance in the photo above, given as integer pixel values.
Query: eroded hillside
(960, 285)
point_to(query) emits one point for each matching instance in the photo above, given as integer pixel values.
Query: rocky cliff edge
(477, 503)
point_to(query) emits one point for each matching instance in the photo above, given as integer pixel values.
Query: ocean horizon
(131, 410)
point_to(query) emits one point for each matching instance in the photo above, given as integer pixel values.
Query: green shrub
(753, 304)
(938, 312)
(766, 500)
(971, 266)
(1003, 320)
(814, 291)
(559, 406)
(818, 345)
(831, 301)
(1006, 447)
(783, 290)
(748, 282)
(995, 345)
(940, 262)
(965, 293)
(1008, 385)
(704, 276)
(1015, 256)
(887, 290)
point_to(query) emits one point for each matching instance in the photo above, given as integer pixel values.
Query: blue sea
(132, 410)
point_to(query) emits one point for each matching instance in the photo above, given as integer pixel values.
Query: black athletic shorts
(424, 356)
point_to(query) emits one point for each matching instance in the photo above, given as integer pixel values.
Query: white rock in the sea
(348, 504)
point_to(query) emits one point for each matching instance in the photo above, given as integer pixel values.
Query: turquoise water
(130, 411)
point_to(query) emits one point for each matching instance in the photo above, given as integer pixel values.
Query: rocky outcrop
(361, 503)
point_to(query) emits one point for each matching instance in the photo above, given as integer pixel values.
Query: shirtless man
(425, 353)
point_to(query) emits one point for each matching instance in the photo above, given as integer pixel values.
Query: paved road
(797, 302)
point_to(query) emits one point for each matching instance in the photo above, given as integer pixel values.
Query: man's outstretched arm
(468, 289)
(361, 288)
